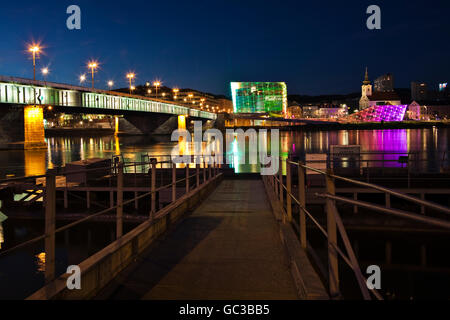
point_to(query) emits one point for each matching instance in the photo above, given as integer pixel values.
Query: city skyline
(315, 50)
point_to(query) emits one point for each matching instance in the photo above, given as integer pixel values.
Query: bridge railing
(203, 174)
(25, 91)
(283, 189)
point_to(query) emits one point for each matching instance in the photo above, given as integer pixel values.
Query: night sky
(316, 47)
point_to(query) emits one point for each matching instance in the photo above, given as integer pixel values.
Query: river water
(430, 144)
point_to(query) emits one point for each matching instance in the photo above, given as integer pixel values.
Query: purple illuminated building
(381, 113)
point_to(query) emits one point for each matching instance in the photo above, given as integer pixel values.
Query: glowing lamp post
(34, 49)
(45, 72)
(130, 77)
(93, 65)
(157, 84)
(82, 78)
(175, 93)
(110, 84)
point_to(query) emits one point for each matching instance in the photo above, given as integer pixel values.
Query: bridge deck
(228, 248)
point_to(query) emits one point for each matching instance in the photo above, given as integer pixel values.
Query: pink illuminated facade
(381, 113)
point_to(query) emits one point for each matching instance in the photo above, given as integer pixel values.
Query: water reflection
(430, 143)
(40, 262)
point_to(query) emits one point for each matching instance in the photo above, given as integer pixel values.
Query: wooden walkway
(228, 248)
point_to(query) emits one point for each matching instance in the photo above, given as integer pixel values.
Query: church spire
(366, 78)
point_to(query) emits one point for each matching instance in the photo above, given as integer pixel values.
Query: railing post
(197, 174)
(187, 178)
(174, 182)
(280, 176)
(204, 171)
(50, 212)
(111, 199)
(209, 171)
(388, 252)
(119, 210)
(422, 207)
(274, 184)
(333, 272)
(66, 197)
(302, 200)
(289, 191)
(153, 189)
(409, 174)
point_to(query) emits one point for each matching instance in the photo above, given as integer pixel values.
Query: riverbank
(64, 132)
(356, 126)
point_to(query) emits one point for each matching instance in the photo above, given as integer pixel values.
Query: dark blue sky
(317, 47)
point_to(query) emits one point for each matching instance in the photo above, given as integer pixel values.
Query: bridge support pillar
(181, 122)
(34, 127)
(116, 125)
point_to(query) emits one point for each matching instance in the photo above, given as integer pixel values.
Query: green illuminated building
(259, 97)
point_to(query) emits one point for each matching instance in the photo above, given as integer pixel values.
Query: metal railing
(210, 170)
(334, 223)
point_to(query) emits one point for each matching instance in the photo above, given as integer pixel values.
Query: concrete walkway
(228, 248)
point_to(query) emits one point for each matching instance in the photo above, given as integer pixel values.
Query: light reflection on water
(432, 143)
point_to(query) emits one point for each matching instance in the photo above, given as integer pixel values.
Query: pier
(202, 232)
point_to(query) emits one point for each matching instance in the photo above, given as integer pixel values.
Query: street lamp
(82, 78)
(34, 49)
(93, 65)
(110, 84)
(45, 72)
(175, 93)
(130, 77)
(157, 84)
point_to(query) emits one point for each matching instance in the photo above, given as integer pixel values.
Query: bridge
(146, 114)
(209, 234)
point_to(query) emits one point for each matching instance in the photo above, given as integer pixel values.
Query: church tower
(366, 92)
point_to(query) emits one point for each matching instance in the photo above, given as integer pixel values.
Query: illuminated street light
(130, 77)
(157, 84)
(45, 72)
(93, 65)
(110, 84)
(175, 93)
(82, 78)
(35, 50)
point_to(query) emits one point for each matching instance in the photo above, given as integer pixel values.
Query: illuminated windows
(259, 97)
